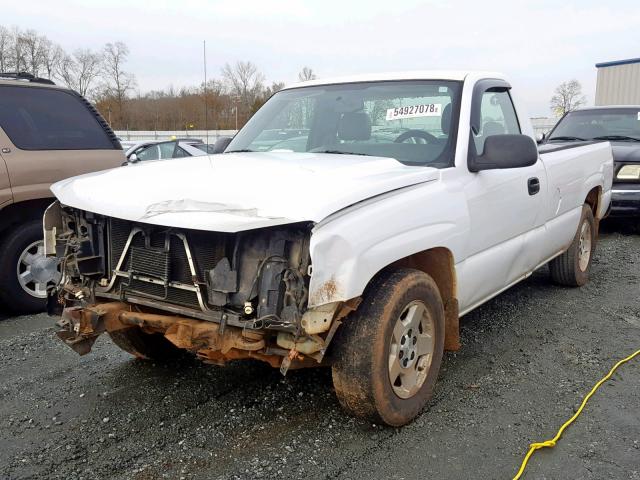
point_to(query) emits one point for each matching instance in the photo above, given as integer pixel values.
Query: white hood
(238, 191)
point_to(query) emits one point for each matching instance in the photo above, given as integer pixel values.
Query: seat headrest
(445, 120)
(354, 126)
(492, 128)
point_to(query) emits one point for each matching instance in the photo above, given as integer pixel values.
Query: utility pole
(204, 60)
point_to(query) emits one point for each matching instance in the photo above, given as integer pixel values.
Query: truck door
(5, 184)
(505, 205)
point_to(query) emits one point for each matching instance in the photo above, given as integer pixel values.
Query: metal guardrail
(207, 136)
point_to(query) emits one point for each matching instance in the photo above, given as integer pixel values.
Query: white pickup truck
(349, 224)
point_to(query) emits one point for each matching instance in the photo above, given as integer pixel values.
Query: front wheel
(572, 267)
(388, 353)
(25, 271)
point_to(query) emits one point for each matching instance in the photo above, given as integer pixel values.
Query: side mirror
(540, 138)
(505, 151)
(133, 158)
(221, 144)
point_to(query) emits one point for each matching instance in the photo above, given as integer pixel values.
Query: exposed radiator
(148, 256)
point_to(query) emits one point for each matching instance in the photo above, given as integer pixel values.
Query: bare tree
(567, 97)
(32, 51)
(52, 57)
(244, 81)
(118, 83)
(6, 41)
(79, 70)
(17, 50)
(306, 74)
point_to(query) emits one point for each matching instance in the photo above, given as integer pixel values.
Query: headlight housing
(629, 172)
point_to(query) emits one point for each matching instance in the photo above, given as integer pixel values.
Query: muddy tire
(572, 267)
(147, 346)
(388, 353)
(25, 272)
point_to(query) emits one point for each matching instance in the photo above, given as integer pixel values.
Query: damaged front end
(222, 296)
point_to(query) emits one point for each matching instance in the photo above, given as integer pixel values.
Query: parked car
(620, 125)
(160, 150)
(47, 133)
(351, 252)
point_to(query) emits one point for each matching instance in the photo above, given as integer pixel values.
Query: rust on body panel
(326, 292)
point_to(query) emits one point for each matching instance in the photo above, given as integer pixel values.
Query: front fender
(349, 250)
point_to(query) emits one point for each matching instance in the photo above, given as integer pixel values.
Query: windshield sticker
(415, 111)
(639, 116)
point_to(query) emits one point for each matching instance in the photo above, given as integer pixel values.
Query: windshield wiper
(342, 152)
(623, 138)
(567, 138)
(242, 150)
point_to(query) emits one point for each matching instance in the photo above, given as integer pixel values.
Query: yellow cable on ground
(552, 443)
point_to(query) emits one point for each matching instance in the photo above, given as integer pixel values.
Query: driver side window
(497, 117)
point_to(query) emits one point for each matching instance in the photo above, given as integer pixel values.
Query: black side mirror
(505, 151)
(221, 144)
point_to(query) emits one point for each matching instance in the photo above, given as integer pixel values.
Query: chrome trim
(194, 274)
(625, 191)
(144, 278)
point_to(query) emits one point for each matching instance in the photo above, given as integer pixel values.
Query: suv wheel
(25, 272)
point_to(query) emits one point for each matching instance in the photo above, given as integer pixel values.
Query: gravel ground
(528, 358)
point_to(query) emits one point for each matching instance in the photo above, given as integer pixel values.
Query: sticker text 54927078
(414, 111)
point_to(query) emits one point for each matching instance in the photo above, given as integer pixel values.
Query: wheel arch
(21, 212)
(438, 263)
(594, 200)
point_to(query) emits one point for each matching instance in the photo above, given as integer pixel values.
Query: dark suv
(47, 133)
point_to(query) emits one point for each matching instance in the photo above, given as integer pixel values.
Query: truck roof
(458, 75)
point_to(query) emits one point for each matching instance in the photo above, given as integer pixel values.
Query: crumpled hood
(238, 191)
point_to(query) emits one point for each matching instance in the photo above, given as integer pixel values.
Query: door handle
(533, 184)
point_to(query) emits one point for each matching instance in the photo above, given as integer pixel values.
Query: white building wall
(618, 84)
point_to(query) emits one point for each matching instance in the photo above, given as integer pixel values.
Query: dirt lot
(528, 357)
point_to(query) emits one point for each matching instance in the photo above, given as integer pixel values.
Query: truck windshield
(414, 122)
(618, 124)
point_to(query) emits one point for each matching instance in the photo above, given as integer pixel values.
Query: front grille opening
(152, 260)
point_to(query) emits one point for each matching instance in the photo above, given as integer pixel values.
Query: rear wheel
(148, 346)
(387, 355)
(25, 272)
(572, 267)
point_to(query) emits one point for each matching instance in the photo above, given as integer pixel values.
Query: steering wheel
(426, 136)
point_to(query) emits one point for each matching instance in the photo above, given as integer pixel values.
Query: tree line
(101, 75)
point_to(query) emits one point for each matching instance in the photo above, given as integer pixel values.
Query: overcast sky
(538, 44)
